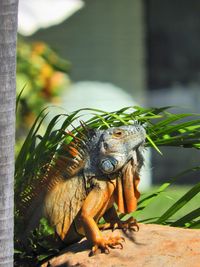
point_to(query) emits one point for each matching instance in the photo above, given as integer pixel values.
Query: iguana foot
(130, 224)
(104, 244)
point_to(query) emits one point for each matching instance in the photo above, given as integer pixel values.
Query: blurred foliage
(41, 240)
(41, 75)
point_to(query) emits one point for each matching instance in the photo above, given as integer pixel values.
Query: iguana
(80, 186)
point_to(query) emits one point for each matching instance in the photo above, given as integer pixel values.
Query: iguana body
(82, 187)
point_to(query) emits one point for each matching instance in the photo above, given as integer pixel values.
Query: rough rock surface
(152, 246)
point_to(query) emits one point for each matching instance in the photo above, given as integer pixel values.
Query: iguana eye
(117, 133)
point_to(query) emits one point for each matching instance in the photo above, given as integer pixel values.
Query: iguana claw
(104, 244)
(130, 224)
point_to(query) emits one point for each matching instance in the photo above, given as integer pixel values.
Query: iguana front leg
(93, 208)
(126, 196)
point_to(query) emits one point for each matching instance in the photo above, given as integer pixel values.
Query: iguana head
(117, 146)
(106, 151)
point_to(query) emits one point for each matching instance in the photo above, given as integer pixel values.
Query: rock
(152, 246)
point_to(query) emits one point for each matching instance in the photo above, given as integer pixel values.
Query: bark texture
(8, 33)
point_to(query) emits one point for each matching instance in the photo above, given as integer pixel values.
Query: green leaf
(179, 204)
(19, 97)
(144, 201)
(42, 257)
(16, 251)
(195, 225)
(188, 218)
(153, 144)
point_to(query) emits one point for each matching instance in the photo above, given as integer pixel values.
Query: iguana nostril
(108, 165)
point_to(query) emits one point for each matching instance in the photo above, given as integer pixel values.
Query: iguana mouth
(127, 193)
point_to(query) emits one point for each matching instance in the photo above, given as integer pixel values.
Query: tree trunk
(8, 33)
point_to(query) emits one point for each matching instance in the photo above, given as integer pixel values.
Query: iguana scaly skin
(79, 188)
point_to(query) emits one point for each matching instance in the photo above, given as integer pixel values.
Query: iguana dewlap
(97, 172)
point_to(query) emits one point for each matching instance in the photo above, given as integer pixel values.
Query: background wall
(173, 37)
(173, 76)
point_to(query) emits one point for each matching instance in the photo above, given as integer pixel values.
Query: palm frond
(163, 129)
(179, 205)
